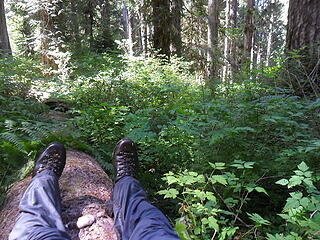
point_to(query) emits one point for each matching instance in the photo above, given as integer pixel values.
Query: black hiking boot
(52, 158)
(125, 159)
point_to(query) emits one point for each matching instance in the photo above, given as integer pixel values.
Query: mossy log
(85, 191)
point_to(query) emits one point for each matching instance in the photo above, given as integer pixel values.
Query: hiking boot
(52, 158)
(125, 159)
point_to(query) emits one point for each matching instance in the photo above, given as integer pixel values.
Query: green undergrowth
(25, 124)
(240, 163)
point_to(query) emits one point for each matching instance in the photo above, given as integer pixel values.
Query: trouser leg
(40, 209)
(134, 217)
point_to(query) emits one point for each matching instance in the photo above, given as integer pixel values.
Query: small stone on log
(85, 221)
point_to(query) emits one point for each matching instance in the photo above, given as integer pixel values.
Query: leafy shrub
(301, 211)
(24, 126)
(212, 204)
(178, 126)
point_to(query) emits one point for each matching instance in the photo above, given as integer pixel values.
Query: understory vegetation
(243, 162)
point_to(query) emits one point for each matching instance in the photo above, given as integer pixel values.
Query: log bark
(85, 189)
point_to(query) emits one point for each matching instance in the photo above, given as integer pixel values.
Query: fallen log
(85, 191)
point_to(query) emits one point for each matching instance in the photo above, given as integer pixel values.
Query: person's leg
(40, 210)
(40, 206)
(135, 218)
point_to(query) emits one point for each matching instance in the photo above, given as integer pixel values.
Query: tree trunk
(128, 22)
(75, 28)
(233, 44)
(303, 29)
(304, 25)
(303, 36)
(269, 40)
(144, 33)
(89, 18)
(107, 41)
(143, 15)
(27, 33)
(46, 30)
(125, 20)
(213, 24)
(4, 37)
(249, 29)
(226, 50)
(161, 23)
(176, 40)
(85, 189)
(132, 35)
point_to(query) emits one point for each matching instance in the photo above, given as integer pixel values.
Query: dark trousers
(40, 210)
(134, 217)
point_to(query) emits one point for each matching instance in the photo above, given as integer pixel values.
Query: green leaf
(308, 182)
(250, 187)
(205, 221)
(258, 219)
(217, 165)
(299, 173)
(305, 202)
(261, 190)
(295, 181)
(248, 164)
(170, 193)
(211, 197)
(187, 180)
(227, 232)
(282, 182)
(213, 223)
(171, 179)
(193, 174)
(303, 167)
(200, 179)
(307, 174)
(197, 230)
(296, 195)
(182, 232)
(218, 179)
(200, 194)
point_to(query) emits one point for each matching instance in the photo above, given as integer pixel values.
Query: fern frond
(13, 139)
